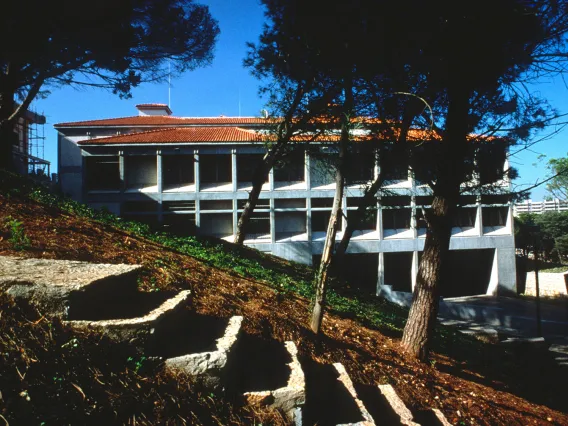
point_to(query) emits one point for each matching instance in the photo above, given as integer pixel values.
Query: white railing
(539, 207)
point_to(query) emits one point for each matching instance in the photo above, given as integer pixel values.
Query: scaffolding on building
(37, 165)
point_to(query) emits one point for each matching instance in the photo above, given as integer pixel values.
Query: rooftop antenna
(239, 101)
(170, 83)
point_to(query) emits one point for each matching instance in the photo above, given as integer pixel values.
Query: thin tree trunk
(433, 265)
(325, 264)
(285, 132)
(354, 222)
(356, 217)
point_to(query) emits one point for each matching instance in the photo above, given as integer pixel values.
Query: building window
(102, 173)
(215, 168)
(246, 166)
(320, 221)
(291, 168)
(464, 217)
(141, 171)
(177, 170)
(396, 218)
(180, 224)
(216, 205)
(360, 167)
(218, 225)
(495, 216)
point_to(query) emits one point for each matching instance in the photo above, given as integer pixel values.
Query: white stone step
(397, 405)
(289, 398)
(210, 364)
(58, 287)
(139, 328)
(348, 384)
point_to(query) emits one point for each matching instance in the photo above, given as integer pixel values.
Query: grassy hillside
(471, 382)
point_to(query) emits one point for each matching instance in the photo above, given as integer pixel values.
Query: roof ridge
(135, 133)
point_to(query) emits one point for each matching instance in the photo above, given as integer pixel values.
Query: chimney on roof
(153, 109)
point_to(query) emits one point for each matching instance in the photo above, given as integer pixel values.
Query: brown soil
(489, 387)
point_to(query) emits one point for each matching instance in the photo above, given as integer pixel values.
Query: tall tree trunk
(355, 218)
(433, 265)
(286, 130)
(325, 264)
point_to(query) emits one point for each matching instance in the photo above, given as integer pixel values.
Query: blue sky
(226, 87)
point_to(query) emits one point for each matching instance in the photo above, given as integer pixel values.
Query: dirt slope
(484, 390)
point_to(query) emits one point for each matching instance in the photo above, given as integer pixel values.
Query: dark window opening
(464, 217)
(291, 168)
(468, 273)
(140, 206)
(259, 226)
(396, 201)
(394, 172)
(216, 224)
(246, 166)
(290, 203)
(216, 205)
(398, 270)
(396, 218)
(103, 173)
(170, 206)
(289, 224)
(177, 170)
(322, 202)
(360, 167)
(367, 223)
(260, 204)
(320, 221)
(140, 171)
(215, 168)
(180, 224)
(495, 216)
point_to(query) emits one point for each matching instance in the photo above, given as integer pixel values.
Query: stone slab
(397, 405)
(290, 397)
(210, 363)
(134, 328)
(348, 384)
(49, 284)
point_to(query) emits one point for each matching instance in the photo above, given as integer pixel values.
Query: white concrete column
(414, 269)
(234, 169)
(307, 176)
(121, 171)
(160, 185)
(196, 171)
(272, 222)
(309, 218)
(380, 220)
(271, 179)
(381, 273)
(413, 221)
(503, 279)
(478, 218)
(510, 221)
(159, 173)
(235, 216)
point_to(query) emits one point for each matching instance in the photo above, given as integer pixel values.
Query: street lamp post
(534, 231)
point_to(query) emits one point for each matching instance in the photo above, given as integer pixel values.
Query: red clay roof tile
(164, 120)
(181, 135)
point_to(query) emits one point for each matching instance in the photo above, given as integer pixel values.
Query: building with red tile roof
(192, 175)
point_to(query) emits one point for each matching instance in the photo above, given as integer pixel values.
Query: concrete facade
(198, 187)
